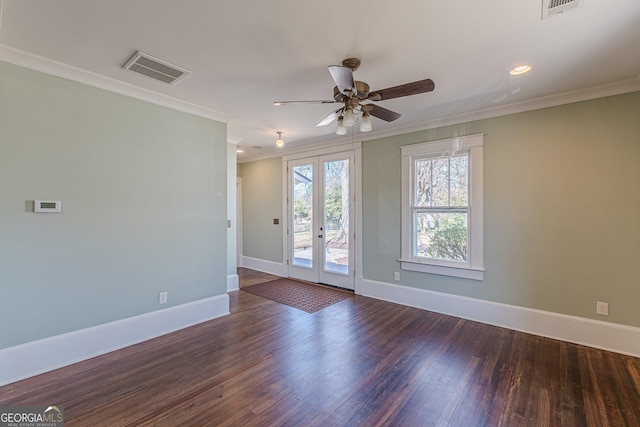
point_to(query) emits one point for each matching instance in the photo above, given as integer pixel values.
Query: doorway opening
(320, 212)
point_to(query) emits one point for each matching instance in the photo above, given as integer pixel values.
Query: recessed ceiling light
(239, 150)
(520, 69)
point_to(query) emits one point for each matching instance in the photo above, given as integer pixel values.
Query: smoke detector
(558, 7)
(155, 68)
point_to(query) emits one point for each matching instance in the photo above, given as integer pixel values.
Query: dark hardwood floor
(360, 362)
(250, 277)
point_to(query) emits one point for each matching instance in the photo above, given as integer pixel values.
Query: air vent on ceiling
(558, 7)
(155, 68)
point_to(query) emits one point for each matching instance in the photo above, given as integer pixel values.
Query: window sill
(461, 272)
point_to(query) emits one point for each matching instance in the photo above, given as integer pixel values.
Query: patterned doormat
(300, 295)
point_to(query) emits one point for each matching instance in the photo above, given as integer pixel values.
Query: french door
(320, 219)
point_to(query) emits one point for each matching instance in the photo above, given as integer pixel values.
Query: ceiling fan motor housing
(362, 90)
(351, 93)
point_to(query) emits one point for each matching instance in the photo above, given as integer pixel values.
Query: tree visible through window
(442, 207)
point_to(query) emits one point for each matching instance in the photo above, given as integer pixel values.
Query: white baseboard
(36, 357)
(358, 285)
(277, 268)
(233, 282)
(579, 330)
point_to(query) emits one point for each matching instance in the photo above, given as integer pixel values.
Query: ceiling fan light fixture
(341, 129)
(365, 123)
(279, 141)
(349, 119)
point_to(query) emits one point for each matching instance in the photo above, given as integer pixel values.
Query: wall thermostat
(47, 206)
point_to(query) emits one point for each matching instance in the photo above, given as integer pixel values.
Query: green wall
(561, 204)
(262, 202)
(561, 209)
(232, 168)
(143, 191)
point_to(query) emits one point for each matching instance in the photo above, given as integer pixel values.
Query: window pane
(441, 235)
(336, 216)
(459, 181)
(302, 215)
(423, 183)
(440, 182)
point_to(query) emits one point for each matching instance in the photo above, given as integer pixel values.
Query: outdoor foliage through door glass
(302, 214)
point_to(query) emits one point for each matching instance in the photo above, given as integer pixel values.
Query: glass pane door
(320, 219)
(302, 215)
(336, 216)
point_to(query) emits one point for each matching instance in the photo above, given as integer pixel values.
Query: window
(442, 207)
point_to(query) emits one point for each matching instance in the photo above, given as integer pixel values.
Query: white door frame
(239, 249)
(356, 147)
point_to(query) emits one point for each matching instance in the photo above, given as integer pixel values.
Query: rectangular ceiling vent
(558, 7)
(155, 68)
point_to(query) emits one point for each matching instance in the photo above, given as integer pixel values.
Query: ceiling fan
(352, 93)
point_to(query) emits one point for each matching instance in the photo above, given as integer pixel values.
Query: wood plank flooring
(360, 362)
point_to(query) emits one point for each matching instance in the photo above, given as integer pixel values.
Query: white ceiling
(243, 55)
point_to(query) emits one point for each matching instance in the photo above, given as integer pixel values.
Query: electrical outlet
(164, 297)
(602, 308)
(396, 275)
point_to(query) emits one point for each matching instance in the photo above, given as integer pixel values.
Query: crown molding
(58, 69)
(48, 66)
(595, 92)
(233, 140)
(297, 149)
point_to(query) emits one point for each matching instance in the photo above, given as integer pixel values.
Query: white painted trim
(601, 91)
(239, 228)
(322, 151)
(54, 68)
(443, 270)
(443, 145)
(36, 357)
(474, 267)
(1, 8)
(353, 147)
(285, 217)
(233, 282)
(233, 140)
(579, 330)
(358, 255)
(271, 267)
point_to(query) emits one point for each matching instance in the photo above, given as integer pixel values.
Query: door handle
(320, 236)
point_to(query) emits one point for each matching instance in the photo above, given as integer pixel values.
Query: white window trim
(474, 267)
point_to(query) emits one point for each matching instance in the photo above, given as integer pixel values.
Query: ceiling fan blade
(343, 76)
(323, 101)
(331, 117)
(381, 113)
(406, 89)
